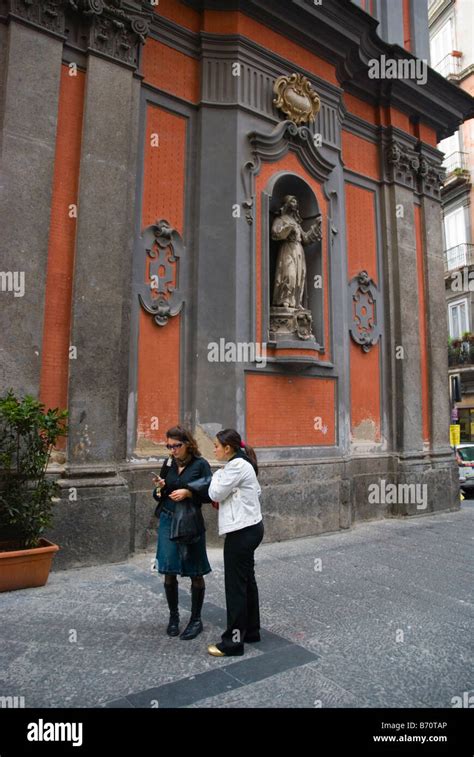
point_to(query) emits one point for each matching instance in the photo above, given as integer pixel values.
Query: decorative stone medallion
(160, 295)
(364, 324)
(295, 96)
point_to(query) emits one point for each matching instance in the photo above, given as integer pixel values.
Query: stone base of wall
(113, 514)
(93, 520)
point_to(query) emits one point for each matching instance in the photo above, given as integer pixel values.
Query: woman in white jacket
(237, 490)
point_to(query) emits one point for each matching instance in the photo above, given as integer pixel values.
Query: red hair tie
(242, 444)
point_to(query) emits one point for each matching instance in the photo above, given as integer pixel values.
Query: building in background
(452, 55)
(149, 151)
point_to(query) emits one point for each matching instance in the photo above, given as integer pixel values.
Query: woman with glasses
(185, 475)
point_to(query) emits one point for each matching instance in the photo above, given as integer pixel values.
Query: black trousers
(241, 592)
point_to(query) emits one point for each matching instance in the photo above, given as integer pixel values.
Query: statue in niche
(289, 314)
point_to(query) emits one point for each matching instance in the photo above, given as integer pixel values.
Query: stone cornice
(436, 11)
(346, 36)
(230, 45)
(114, 29)
(359, 127)
(464, 74)
(456, 193)
(182, 39)
(252, 88)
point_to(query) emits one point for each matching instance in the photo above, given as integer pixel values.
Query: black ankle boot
(194, 626)
(171, 591)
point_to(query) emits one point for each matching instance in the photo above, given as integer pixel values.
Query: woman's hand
(159, 482)
(180, 494)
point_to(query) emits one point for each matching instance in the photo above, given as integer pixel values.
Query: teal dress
(174, 559)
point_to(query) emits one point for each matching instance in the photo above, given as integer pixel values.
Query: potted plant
(459, 171)
(28, 434)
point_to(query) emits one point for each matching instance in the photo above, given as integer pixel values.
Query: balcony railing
(456, 162)
(450, 65)
(461, 352)
(459, 256)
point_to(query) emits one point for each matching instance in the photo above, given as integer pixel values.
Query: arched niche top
(272, 146)
(287, 183)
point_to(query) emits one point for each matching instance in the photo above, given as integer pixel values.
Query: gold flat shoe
(212, 649)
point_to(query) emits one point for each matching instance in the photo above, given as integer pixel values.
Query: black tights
(197, 582)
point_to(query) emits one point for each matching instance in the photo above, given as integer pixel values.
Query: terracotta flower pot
(25, 568)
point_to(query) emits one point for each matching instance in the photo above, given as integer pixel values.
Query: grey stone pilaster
(103, 265)
(29, 108)
(404, 326)
(217, 272)
(436, 322)
(100, 332)
(3, 67)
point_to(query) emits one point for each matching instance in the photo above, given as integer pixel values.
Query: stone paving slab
(95, 637)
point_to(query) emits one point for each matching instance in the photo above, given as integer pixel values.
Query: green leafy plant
(28, 434)
(460, 171)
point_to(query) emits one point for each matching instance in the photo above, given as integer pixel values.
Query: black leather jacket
(196, 477)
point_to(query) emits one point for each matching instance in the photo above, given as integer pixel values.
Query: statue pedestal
(286, 322)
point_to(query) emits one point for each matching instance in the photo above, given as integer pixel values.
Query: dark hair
(231, 437)
(184, 435)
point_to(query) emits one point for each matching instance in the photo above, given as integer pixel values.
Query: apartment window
(450, 146)
(458, 319)
(456, 238)
(441, 46)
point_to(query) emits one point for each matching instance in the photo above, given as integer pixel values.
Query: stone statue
(290, 276)
(288, 312)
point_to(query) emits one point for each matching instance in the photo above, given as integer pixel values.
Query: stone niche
(303, 329)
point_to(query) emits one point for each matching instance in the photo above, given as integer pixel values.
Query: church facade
(227, 214)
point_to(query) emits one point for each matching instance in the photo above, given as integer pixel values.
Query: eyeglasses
(174, 446)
